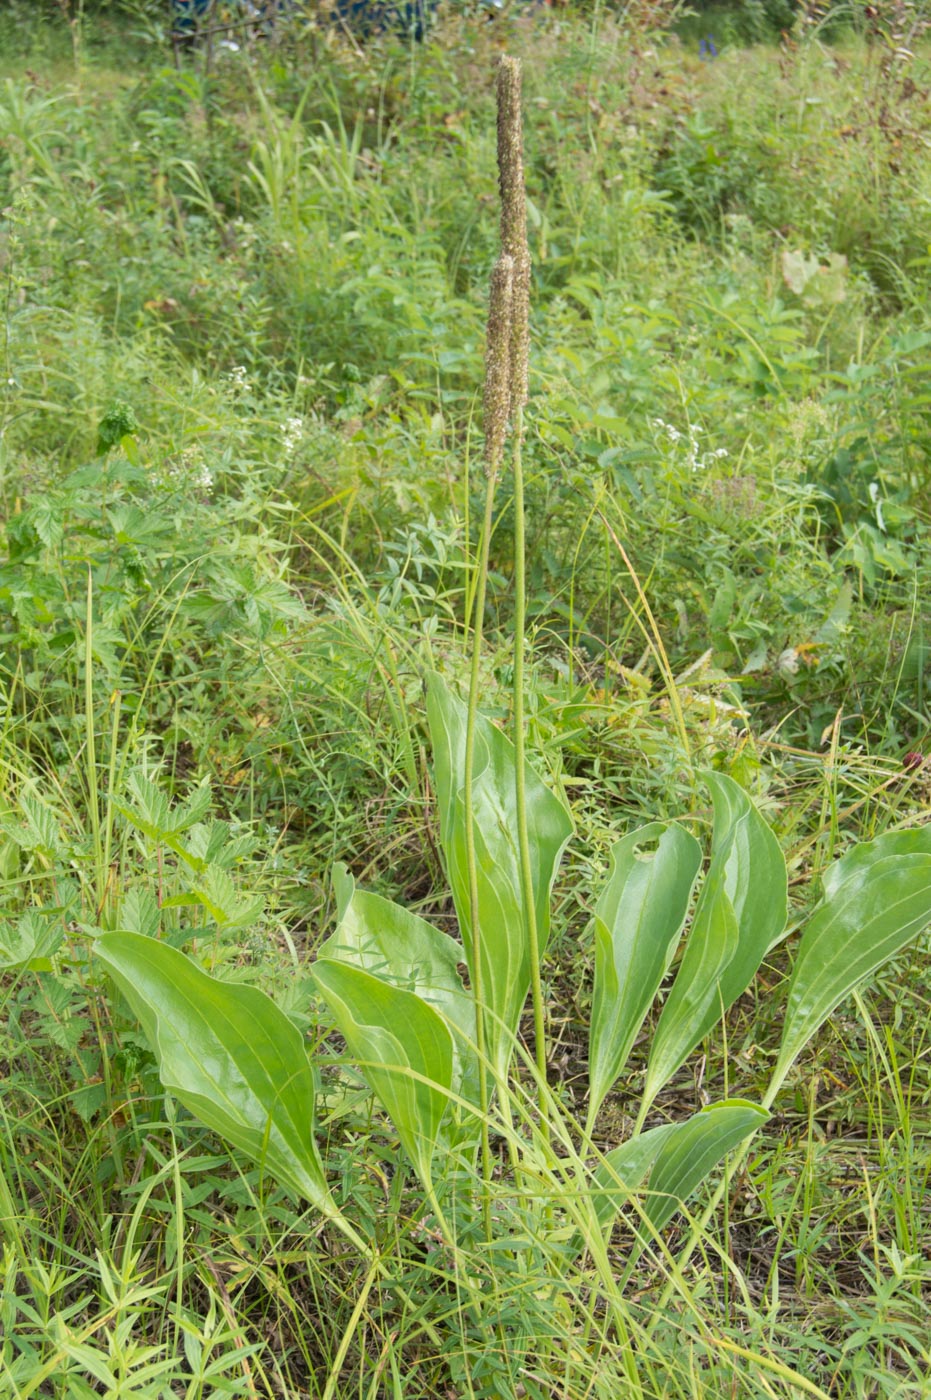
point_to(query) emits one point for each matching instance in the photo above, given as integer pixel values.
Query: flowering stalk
(497, 402)
(514, 243)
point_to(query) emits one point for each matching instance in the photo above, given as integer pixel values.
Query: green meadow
(465, 861)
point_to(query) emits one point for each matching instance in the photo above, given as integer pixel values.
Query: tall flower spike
(514, 220)
(497, 398)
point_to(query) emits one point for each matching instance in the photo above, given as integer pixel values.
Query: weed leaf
(505, 955)
(228, 1054)
(396, 946)
(877, 897)
(740, 913)
(638, 919)
(404, 1048)
(677, 1156)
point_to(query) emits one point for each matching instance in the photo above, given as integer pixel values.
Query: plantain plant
(438, 1052)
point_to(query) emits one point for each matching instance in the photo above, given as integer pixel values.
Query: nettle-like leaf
(139, 913)
(672, 1160)
(405, 951)
(503, 943)
(149, 811)
(228, 1054)
(639, 917)
(741, 911)
(404, 1048)
(877, 898)
(33, 939)
(216, 893)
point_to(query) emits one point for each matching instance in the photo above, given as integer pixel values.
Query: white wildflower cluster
(695, 459)
(876, 498)
(292, 431)
(189, 470)
(238, 379)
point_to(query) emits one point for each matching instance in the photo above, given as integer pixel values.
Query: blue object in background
(186, 13)
(375, 16)
(707, 49)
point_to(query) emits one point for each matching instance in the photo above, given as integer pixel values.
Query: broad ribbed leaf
(740, 913)
(624, 1170)
(505, 952)
(638, 919)
(405, 951)
(755, 880)
(228, 1054)
(693, 1149)
(877, 898)
(677, 1157)
(404, 1048)
(711, 945)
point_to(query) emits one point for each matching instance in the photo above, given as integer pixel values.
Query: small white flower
(291, 432)
(238, 378)
(788, 662)
(877, 503)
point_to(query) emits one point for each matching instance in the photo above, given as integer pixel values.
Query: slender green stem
(333, 1380)
(111, 789)
(472, 865)
(90, 765)
(523, 839)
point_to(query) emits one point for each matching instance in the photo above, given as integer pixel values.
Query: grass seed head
(514, 221)
(498, 350)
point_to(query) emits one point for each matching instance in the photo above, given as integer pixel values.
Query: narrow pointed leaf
(877, 898)
(638, 919)
(503, 942)
(228, 1054)
(405, 951)
(740, 913)
(404, 1049)
(755, 879)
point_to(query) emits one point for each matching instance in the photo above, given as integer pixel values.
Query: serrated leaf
(139, 913)
(638, 919)
(228, 1054)
(31, 938)
(216, 893)
(504, 962)
(877, 898)
(39, 831)
(404, 1049)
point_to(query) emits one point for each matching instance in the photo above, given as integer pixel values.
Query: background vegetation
(243, 311)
